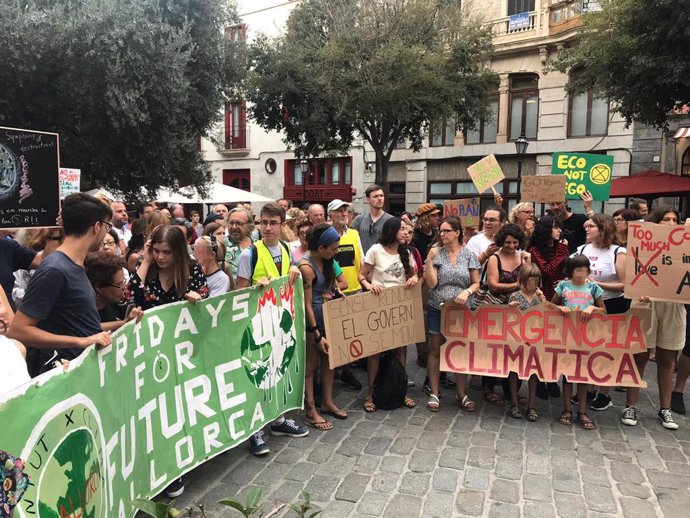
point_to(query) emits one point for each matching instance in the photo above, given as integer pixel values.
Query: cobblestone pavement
(415, 463)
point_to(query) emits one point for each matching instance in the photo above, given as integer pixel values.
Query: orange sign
(497, 340)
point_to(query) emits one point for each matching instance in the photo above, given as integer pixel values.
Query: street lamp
(520, 148)
(304, 168)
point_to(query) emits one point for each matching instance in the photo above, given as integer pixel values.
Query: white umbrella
(217, 193)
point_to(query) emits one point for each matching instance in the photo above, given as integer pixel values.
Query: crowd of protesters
(68, 287)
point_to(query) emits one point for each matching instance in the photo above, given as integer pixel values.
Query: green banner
(584, 172)
(185, 384)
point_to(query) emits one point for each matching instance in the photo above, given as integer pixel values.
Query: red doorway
(238, 178)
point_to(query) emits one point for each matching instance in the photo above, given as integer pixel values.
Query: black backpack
(390, 387)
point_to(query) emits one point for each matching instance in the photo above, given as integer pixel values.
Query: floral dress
(151, 294)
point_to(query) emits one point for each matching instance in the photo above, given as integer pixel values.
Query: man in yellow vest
(349, 257)
(269, 258)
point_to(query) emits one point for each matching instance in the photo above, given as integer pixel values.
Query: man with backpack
(267, 259)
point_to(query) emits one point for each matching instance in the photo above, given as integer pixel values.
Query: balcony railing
(514, 24)
(237, 138)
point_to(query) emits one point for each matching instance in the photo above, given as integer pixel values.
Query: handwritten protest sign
(658, 263)
(364, 324)
(69, 181)
(495, 340)
(584, 172)
(542, 188)
(29, 187)
(485, 173)
(468, 210)
(182, 386)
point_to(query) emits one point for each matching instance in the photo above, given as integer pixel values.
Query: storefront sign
(185, 384)
(658, 264)
(468, 210)
(544, 341)
(29, 186)
(361, 325)
(542, 188)
(584, 172)
(485, 173)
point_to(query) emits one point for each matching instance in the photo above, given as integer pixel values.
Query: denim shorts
(433, 316)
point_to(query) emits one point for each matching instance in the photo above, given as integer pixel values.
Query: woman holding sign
(387, 264)
(667, 334)
(452, 274)
(319, 274)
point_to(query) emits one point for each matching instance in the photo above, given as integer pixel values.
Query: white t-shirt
(13, 371)
(388, 270)
(218, 283)
(602, 262)
(479, 243)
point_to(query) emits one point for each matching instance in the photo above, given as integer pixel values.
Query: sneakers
(289, 428)
(257, 444)
(666, 418)
(601, 402)
(348, 379)
(677, 403)
(590, 397)
(175, 489)
(629, 416)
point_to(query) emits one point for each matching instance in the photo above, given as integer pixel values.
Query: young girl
(210, 254)
(388, 263)
(527, 296)
(319, 273)
(578, 294)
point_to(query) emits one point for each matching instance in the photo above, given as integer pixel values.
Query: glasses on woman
(120, 286)
(586, 227)
(618, 220)
(446, 230)
(108, 243)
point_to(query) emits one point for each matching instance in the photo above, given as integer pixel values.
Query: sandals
(493, 398)
(584, 420)
(409, 402)
(369, 405)
(467, 404)
(515, 413)
(532, 415)
(434, 403)
(566, 418)
(338, 414)
(323, 425)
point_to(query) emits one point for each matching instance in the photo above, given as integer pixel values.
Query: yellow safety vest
(349, 258)
(265, 266)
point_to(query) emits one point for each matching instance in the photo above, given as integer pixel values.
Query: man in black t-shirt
(59, 307)
(573, 224)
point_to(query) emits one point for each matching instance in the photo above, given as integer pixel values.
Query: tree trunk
(382, 160)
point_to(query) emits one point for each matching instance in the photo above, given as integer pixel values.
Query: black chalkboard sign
(29, 178)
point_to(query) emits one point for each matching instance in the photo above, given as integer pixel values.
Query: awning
(650, 184)
(682, 133)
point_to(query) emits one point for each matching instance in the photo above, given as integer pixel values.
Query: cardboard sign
(496, 340)
(658, 264)
(365, 324)
(542, 188)
(187, 383)
(584, 172)
(486, 173)
(29, 186)
(468, 210)
(70, 180)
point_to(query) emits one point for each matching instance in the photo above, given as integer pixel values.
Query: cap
(336, 204)
(426, 209)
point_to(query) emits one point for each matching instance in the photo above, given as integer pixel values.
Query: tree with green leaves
(130, 85)
(381, 69)
(635, 54)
